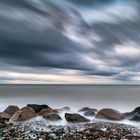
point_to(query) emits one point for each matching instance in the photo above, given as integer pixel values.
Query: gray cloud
(49, 38)
(89, 2)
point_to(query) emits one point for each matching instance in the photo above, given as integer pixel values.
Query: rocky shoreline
(33, 123)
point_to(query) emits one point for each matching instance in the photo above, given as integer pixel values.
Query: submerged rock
(89, 113)
(109, 114)
(11, 110)
(75, 118)
(37, 108)
(53, 117)
(23, 114)
(134, 115)
(87, 109)
(63, 109)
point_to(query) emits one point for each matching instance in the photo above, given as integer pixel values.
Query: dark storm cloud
(45, 36)
(26, 45)
(51, 49)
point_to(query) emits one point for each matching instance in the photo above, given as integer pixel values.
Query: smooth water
(124, 98)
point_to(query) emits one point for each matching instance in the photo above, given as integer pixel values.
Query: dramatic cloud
(75, 41)
(112, 12)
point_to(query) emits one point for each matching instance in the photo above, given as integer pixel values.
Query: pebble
(88, 131)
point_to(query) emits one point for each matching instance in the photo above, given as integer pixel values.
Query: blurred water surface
(124, 98)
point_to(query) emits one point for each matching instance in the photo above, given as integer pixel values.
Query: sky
(69, 42)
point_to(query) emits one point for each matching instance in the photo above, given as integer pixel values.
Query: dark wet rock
(87, 109)
(43, 137)
(4, 115)
(134, 115)
(23, 114)
(48, 111)
(109, 114)
(37, 108)
(75, 118)
(11, 110)
(52, 117)
(53, 136)
(89, 113)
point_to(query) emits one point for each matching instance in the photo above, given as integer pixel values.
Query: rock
(89, 113)
(37, 108)
(11, 110)
(131, 137)
(63, 109)
(109, 114)
(33, 136)
(4, 115)
(87, 109)
(75, 118)
(52, 117)
(43, 137)
(45, 112)
(52, 136)
(23, 114)
(134, 115)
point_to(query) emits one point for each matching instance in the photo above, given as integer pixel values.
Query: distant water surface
(124, 98)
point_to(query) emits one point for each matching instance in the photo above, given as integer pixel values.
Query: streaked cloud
(113, 12)
(74, 42)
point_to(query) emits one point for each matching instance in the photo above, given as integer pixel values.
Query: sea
(121, 97)
(124, 98)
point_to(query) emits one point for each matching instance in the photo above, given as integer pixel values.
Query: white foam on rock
(39, 123)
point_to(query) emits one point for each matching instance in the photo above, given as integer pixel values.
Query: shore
(41, 122)
(86, 131)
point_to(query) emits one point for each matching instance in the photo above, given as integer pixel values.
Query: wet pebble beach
(38, 130)
(41, 122)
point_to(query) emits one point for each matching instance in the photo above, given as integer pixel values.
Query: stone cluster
(21, 124)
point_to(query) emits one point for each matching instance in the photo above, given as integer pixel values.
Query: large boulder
(109, 114)
(11, 110)
(45, 112)
(87, 109)
(23, 114)
(134, 115)
(37, 108)
(52, 117)
(75, 118)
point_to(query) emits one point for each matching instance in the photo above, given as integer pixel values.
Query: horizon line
(69, 84)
